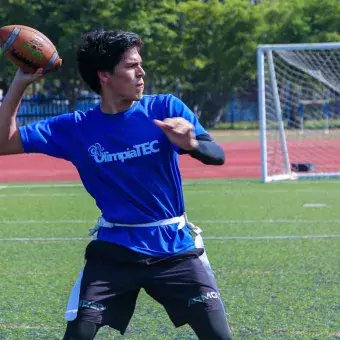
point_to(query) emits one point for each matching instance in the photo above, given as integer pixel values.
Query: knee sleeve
(211, 326)
(81, 330)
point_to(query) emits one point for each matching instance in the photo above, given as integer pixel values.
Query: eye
(134, 65)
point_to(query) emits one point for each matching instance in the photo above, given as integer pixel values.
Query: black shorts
(113, 276)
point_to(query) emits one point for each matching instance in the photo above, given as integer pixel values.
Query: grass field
(275, 249)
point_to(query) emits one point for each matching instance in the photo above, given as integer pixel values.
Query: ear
(103, 76)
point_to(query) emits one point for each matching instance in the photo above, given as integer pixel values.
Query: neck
(113, 105)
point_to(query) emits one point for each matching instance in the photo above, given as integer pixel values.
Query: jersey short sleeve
(176, 108)
(53, 137)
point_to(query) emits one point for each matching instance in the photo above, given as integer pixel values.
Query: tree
(218, 53)
(298, 21)
(203, 51)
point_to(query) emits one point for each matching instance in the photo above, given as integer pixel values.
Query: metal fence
(241, 110)
(39, 107)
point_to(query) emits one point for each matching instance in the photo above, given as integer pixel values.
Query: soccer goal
(299, 110)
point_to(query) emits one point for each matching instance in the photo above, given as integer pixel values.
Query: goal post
(299, 110)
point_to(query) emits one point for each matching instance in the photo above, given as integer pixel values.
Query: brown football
(29, 49)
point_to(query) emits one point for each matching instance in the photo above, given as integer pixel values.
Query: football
(29, 49)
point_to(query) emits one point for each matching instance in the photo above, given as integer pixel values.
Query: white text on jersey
(101, 156)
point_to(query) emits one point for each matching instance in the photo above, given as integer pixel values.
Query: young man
(126, 152)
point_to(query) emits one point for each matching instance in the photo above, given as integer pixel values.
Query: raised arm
(10, 141)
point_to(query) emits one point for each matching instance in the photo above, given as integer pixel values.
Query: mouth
(140, 85)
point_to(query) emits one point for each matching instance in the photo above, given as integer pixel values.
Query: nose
(140, 71)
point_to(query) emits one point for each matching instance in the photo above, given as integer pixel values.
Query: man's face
(126, 81)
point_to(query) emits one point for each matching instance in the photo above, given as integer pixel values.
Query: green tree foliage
(219, 51)
(156, 21)
(300, 21)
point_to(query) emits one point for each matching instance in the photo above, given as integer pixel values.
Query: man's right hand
(28, 78)
(10, 139)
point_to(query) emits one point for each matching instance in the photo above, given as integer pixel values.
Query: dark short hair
(102, 50)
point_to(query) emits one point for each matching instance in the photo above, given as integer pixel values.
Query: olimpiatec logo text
(101, 156)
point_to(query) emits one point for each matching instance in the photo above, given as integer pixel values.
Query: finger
(39, 73)
(182, 130)
(174, 122)
(182, 126)
(177, 121)
(163, 125)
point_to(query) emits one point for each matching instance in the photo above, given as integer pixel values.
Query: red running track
(242, 161)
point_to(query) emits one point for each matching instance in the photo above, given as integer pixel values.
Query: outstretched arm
(10, 141)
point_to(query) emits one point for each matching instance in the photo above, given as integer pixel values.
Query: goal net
(299, 110)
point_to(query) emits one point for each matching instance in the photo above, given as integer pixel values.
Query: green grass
(274, 288)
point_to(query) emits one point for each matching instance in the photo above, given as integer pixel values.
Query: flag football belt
(181, 220)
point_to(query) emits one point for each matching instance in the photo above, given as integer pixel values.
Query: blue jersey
(128, 165)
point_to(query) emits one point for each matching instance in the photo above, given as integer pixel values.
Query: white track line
(284, 237)
(236, 181)
(77, 185)
(186, 192)
(44, 239)
(28, 327)
(42, 195)
(315, 205)
(189, 183)
(37, 186)
(254, 331)
(232, 190)
(252, 191)
(210, 238)
(47, 222)
(269, 221)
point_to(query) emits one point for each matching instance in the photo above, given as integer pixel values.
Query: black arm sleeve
(208, 152)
